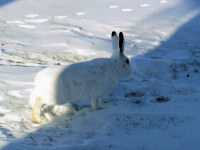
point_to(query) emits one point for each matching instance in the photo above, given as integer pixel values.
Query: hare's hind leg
(36, 111)
(49, 112)
(39, 112)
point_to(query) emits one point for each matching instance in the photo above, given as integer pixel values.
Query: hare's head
(118, 47)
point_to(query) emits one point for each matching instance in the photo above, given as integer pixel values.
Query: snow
(156, 107)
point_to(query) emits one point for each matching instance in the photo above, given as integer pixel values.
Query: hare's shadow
(4, 2)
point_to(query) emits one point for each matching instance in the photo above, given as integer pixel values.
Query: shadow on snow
(5, 2)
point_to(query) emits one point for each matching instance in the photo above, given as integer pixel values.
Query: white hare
(93, 79)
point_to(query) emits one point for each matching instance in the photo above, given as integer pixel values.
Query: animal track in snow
(134, 94)
(31, 15)
(26, 26)
(36, 20)
(80, 13)
(161, 32)
(15, 22)
(57, 45)
(113, 6)
(89, 33)
(137, 40)
(144, 5)
(126, 10)
(16, 93)
(130, 35)
(59, 17)
(163, 2)
(155, 43)
(60, 31)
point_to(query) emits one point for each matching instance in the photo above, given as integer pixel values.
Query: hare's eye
(127, 61)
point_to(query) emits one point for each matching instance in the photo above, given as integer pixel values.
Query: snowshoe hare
(95, 79)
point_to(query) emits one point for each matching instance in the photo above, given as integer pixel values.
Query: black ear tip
(113, 33)
(121, 34)
(121, 42)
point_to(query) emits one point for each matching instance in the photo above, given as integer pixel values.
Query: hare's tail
(36, 111)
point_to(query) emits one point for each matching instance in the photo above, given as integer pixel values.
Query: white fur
(59, 85)
(115, 46)
(90, 79)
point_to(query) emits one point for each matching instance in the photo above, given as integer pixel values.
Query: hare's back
(87, 79)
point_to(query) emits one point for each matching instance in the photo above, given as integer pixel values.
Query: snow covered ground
(155, 108)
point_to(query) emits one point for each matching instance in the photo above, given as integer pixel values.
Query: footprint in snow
(134, 94)
(163, 2)
(144, 5)
(161, 99)
(26, 26)
(80, 13)
(14, 22)
(126, 10)
(137, 40)
(36, 20)
(60, 31)
(31, 18)
(113, 6)
(59, 17)
(31, 15)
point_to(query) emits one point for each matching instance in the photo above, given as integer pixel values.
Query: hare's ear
(115, 40)
(121, 43)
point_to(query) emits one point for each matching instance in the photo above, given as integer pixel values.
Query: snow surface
(155, 108)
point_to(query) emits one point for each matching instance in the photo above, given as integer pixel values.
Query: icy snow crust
(156, 107)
